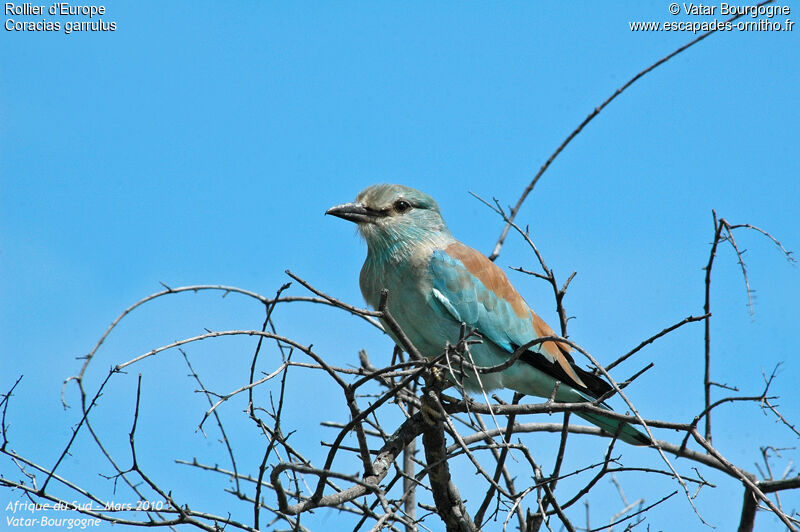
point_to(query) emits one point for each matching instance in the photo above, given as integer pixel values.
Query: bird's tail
(628, 433)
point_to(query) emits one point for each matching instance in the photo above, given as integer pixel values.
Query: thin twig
(515, 210)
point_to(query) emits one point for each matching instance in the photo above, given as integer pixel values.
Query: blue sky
(201, 143)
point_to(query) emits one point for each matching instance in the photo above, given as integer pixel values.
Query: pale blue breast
(409, 288)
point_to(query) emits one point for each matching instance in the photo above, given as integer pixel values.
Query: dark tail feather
(628, 433)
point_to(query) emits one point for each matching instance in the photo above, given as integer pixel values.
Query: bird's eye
(401, 206)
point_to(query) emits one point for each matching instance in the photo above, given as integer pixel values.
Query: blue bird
(436, 283)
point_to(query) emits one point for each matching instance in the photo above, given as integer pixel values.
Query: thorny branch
(434, 417)
(596, 111)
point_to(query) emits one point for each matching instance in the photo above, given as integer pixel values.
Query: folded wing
(471, 289)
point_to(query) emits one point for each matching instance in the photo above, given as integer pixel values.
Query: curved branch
(408, 431)
(596, 111)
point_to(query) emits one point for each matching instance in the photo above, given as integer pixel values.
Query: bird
(435, 284)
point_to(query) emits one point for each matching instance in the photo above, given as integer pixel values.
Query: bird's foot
(431, 408)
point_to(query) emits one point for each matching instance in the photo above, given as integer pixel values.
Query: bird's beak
(354, 212)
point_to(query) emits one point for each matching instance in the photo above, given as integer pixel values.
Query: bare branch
(596, 111)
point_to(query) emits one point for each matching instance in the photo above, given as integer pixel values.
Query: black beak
(354, 212)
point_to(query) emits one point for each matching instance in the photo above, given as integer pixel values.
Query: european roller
(436, 283)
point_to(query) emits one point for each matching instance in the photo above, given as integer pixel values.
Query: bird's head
(393, 217)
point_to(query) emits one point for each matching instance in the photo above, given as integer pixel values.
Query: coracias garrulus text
(436, 284)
